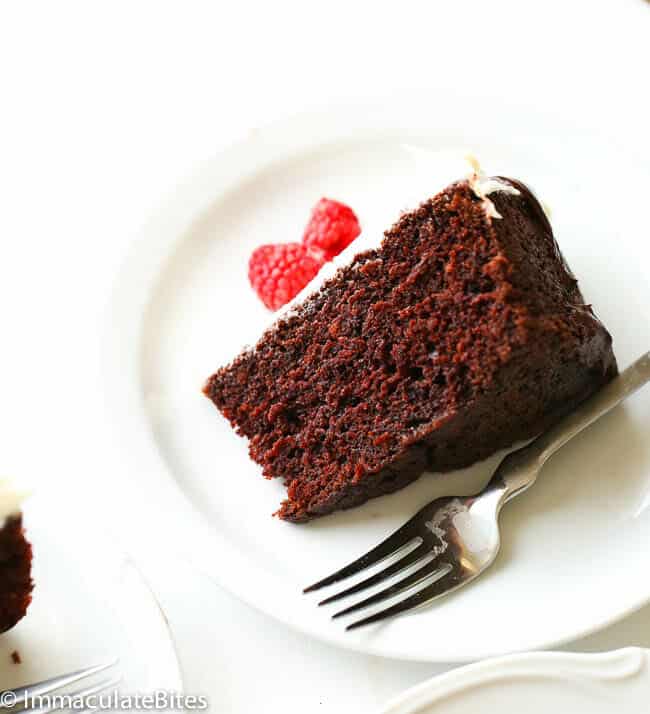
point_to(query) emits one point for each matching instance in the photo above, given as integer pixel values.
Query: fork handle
(605, 399)
(517, 471)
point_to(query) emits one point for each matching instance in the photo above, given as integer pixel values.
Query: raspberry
(331, 228)
(278, 272)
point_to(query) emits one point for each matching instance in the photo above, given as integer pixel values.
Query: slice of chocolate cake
(15, 558)
(464, 332)
(15, 572)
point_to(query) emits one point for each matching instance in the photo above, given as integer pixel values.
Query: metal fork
(33, 698)
(454, 539)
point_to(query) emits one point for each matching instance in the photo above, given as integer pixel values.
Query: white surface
(230, 643)
(105, 108)
(174, 324)
(538, 683)
(90, 606)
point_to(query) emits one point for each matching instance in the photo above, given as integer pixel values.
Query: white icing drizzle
(483, 186)
(10, 499)
(547, 209)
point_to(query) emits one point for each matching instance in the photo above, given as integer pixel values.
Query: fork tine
(49, 685)
(101, 686)
(418, 576)
(409, 559)
(440, 587)
(394, 543)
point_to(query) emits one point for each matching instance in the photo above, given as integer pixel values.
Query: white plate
(575, 548)
(90, 605)
(537, 683)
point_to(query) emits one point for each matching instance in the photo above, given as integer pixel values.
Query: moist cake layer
(462, 333)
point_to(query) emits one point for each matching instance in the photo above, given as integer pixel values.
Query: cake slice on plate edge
(15, 558)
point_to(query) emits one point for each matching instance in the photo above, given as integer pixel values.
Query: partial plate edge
(623, 665)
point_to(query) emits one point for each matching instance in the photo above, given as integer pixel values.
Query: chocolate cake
(462, 333)
(15, 572)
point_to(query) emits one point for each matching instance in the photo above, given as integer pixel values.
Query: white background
(106, 106)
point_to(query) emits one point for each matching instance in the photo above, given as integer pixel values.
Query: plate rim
(126, 309)
(613, 665)
(125, 577)
(175, 676)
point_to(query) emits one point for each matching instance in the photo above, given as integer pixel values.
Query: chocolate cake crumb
(463, 333)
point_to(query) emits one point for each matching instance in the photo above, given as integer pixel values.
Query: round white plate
(574, 554)
(90, 605)
(536, 683)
